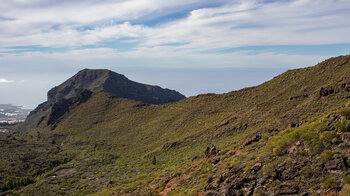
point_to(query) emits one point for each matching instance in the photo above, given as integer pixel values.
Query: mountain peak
(98, 72)
(104, 80)
(91, 81)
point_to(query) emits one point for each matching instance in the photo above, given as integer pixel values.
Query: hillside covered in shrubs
(287, 136)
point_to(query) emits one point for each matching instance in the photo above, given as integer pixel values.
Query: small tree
(154, 161)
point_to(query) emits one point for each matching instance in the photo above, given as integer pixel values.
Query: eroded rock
(249, 141)
(288, 189)
(169, 145)
(345, 137)
(256, 167)
(335, 164)
(211, 151)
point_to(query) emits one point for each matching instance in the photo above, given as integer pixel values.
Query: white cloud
(3, 80)
(179, 42)
(163, 56)
(43, 14)
(301, 22)
(71, 37)
(236, 23)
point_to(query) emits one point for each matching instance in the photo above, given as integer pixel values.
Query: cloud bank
(3, 80)
(145, 28)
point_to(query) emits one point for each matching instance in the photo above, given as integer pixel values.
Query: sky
(192, 46)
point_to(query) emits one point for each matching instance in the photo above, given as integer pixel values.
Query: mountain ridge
(103, 80)
(285, 136)
(95, 80)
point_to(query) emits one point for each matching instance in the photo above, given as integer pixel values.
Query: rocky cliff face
(107, 81)
(64, 105)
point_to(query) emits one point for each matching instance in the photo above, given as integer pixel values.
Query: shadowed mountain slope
(100, 80)
(287, 136)
(114, 83)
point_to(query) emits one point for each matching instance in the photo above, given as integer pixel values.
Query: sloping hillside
(94, 80)
(285, 136)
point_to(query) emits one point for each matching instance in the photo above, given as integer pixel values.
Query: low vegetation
(286, 136)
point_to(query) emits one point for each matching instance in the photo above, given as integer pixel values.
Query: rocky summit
(95, 80)
(102, 80)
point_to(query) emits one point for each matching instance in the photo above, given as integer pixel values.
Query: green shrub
(152, 193)
(328, 183)
(308, 134)
(279, 146)
(17, 182)
(327, 137)
(269, 169)
(317, 147)
(235, 161)
(346, 179)
(342, 125)
(37, 172)
(319, 126)
(306, 172)
(308, 137)
(342, 145)
(326, 156)
(301, 153)
(335, 140)
(345, 191)
(345, 112)
(314, 119)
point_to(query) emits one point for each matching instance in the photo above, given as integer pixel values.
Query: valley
(174, 98)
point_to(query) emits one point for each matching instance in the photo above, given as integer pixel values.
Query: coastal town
(4, 131)
(10, 115)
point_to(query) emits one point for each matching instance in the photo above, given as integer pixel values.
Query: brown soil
(171, 185)
(65, 171)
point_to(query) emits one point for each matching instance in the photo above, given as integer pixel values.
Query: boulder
(335, 164)
(249, 141)
(288, 189)
(211, 152)
(169, 145)
(256, 167)
(345, 137)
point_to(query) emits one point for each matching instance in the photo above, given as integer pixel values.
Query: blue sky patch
(123, 44)
(161, 18)
(23, 49)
